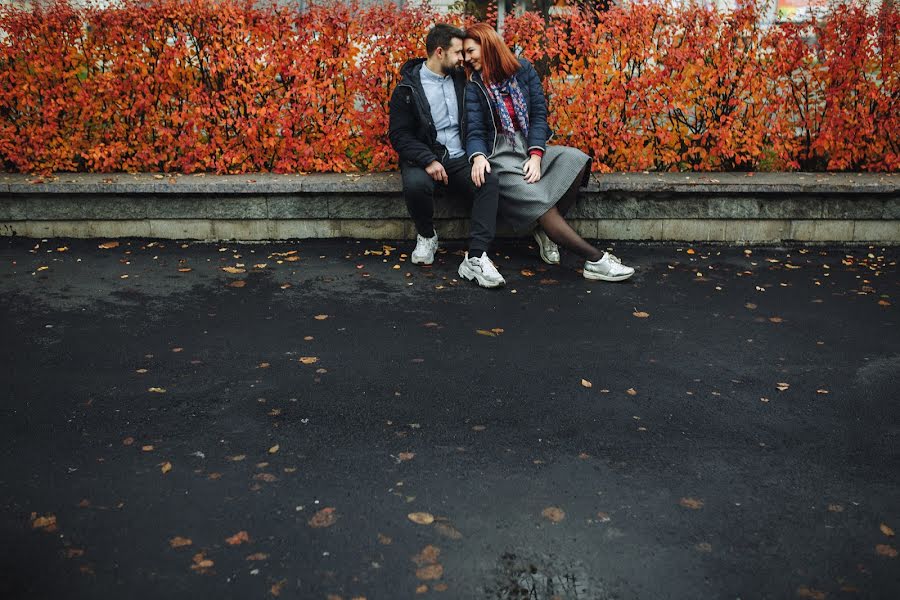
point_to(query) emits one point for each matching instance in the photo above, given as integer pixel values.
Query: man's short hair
(440, 36)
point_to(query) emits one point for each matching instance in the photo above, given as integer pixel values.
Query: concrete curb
(731, 207)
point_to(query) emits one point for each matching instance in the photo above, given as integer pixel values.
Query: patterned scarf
(511, 87)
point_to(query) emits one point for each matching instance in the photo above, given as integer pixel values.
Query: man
(427, 129)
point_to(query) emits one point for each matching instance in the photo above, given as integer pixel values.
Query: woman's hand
(480, 166)
(532, 169)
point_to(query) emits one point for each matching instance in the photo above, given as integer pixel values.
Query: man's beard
(451, 69)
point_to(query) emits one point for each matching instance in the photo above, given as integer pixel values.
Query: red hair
(498, 63)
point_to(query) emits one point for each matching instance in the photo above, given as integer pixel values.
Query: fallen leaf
(128, 441)
(750, 305)
(821, 391)
(141, 371)
(422, 589)
(448, 531)
(201, 563)
(109, 245)
(690, 251)
(527, 273)
(237, 284)
(422, 518)
(233, 270)
(147, 448)
(586, 383)
(641, 314)
(808, 592)
(260, 265)
(267, 477)
(46, 523)
(548, 281)
(258, 556)
(179, 542)
(237, 457)
(478, 428)
(430, 572)
(428, 556)
(274, 449)
(885, 550)
(782, 386)
(308, 360)
(241, 537)
(603, 517)
(263, 365)
(430, 324)
(324, 518)
(631, 392)
(553, 514)
(886, 530)
(384, 540)
(497, 330)
(276, 588)
(692, 503)
(404, 456)
(485, 332)
(704, 547)
(320, 317)
(157, 390)
(836, 508)
(165, 467)
(440, 587)
(884, 303)
(74, 552)
(185, 270)
(776, 319)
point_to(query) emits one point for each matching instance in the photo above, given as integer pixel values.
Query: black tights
(557, 229)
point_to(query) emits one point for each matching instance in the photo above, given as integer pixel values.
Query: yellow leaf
(692, 503)
(886, 530)
(631, 392)
(404, 456)
(527, 273)
(308, 360)
(641, 314)
(237, 284)
(47, 522)
(233, 270)
(185, 270)
(782, 386)
(178, 542)
(553, 514)
(320, 317)
(165, 467)
(109, 245)
(448, 531)
(157, 390)
(241, 537)
(485, 332)
(430, 572)
(885, 550)
(586, 383)
(274, 449)
(421, 518)
(260, 265)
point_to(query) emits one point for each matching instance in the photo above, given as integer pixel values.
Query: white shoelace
(487, 267)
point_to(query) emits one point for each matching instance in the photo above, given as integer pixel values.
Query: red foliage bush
(229, 86)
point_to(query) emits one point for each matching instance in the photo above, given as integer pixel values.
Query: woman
(507, 135)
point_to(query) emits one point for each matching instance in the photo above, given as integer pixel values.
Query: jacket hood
(411, 68)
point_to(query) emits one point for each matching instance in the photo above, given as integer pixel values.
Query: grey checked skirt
(521, 203)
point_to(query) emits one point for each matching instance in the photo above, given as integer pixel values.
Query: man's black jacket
(411, 131)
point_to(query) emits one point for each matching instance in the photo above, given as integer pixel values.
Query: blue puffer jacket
(481, 132)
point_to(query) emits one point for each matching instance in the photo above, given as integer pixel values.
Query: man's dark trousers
(418, 191)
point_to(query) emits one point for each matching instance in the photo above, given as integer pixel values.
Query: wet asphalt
(329, 421)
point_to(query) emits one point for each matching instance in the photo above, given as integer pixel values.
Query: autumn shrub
(235, 86)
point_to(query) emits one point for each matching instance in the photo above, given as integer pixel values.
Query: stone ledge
(386, 183)
(660, 206)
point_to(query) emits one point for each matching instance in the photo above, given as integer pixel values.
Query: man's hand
(437, 172)
(532, 169)
(480, 166)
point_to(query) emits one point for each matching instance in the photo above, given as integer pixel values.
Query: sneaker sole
(482, 282)
(599, 277)
(541, 251)
(421, 261)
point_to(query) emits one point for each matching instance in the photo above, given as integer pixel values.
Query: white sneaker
(482, 270)
(425, 249)
(549, 250)
(608, 268)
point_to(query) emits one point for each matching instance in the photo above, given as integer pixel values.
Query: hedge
(227, 86)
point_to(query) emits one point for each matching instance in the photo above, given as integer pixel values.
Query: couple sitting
(486, 139)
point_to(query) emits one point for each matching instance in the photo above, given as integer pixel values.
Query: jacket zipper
(419, 104)
(494, 125)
